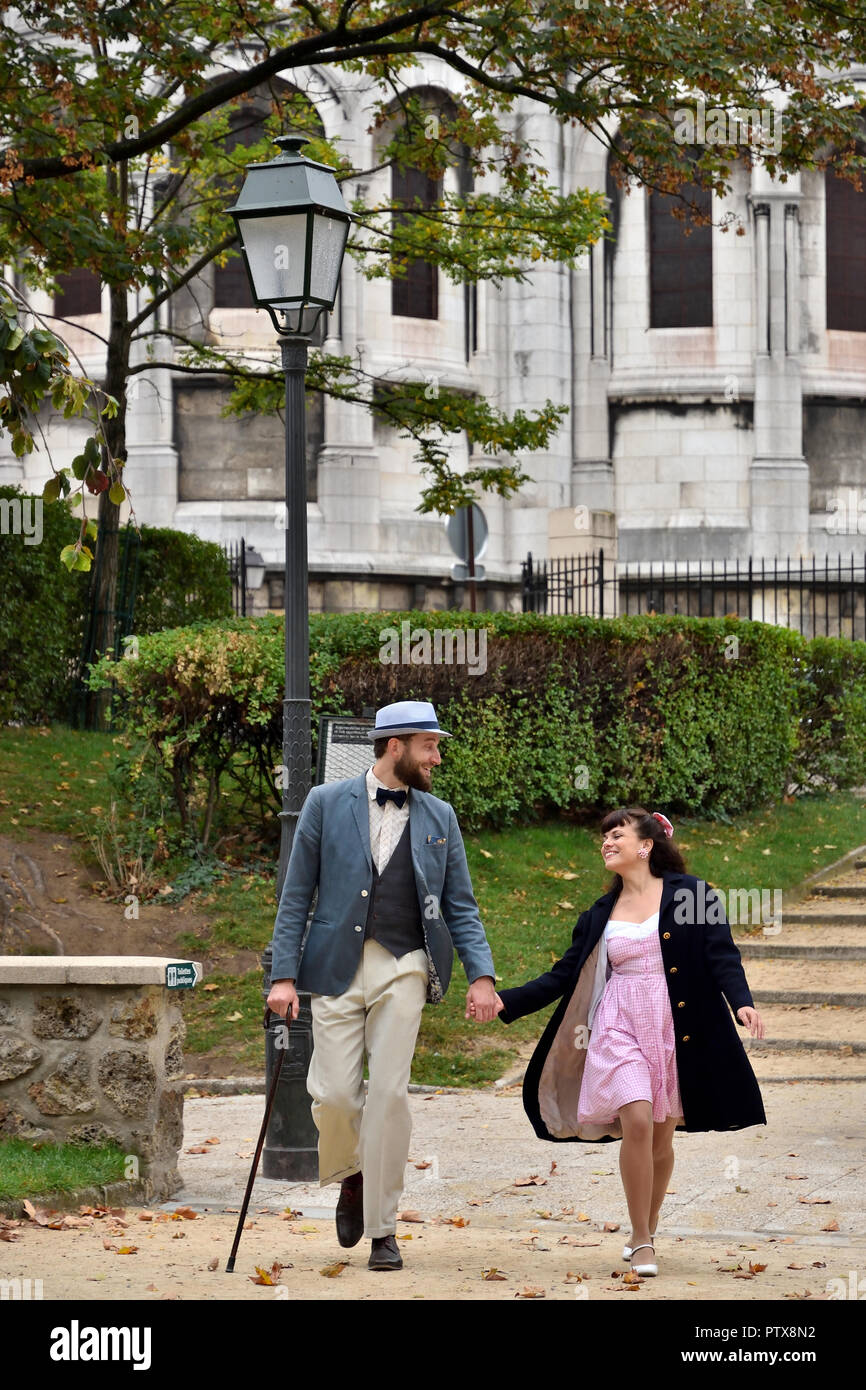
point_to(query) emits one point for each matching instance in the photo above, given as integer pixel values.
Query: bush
(41, 612)
(701, 716)
(181, 579)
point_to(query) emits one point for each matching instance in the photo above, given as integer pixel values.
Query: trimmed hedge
(699, 715)
(181, 579)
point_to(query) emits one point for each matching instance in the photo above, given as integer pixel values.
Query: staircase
(809, 983)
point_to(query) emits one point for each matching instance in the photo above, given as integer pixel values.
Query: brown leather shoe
(350, 1210)
(384, 1254)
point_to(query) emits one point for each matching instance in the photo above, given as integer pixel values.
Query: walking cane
(282, 1049)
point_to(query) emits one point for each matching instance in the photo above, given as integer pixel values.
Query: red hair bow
(668, 828)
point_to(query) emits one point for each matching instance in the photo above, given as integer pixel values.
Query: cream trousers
(379, 1013)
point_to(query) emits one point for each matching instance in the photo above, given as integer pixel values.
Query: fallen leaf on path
(209, 987)
(289, 1215)
(424, 1164)
(831, 1226)
(199, 1149)
(530, 1291)
(266, 1276)
(145, 1216)
(409, 1216)
(756, 1269)
(214, 1140)
(795, 1177)
(491, 1274)
(455, 1221)
(581, 1216)
(331, 1271)
(184, 1214)
(128, 1250)
(610, 1226)
(552, 1168)
(816, 1201)
(214, 1263)
(533, 1181)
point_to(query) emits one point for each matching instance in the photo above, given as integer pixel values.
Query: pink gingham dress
(631, 1053)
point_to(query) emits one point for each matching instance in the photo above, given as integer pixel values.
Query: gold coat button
(685, 1037)
(681, 1004)
(666, 936)
(673, 970)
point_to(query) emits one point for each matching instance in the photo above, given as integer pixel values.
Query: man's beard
(410, 772)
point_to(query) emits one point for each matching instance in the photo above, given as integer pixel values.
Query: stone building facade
(716, 386)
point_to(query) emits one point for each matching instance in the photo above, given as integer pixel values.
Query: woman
(642, 1042)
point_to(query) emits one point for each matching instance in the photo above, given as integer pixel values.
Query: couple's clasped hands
(482, 1001)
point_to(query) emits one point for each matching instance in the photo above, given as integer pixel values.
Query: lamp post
(293, 226)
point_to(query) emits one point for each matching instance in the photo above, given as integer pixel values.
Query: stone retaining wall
(89, 1047)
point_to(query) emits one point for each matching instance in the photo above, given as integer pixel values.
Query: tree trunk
(103, 586)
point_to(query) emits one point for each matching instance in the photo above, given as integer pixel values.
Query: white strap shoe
(626, 1249)
(647, 1270)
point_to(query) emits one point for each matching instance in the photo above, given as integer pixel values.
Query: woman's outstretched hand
(752, 1020)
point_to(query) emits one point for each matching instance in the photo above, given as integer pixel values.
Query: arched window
(79, 292)
(681, 262)
(846, 254)
(416, 293)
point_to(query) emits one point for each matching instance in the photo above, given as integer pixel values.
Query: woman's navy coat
(702, 968)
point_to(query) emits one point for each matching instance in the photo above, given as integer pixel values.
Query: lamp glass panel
(329, 239)
(276, 249)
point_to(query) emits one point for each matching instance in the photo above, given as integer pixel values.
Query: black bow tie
(384, 794)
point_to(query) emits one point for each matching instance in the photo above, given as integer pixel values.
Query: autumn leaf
(831, 1226)
(409, 1216)
(815, 1201)
(757, 1269)
(213, 1264)
(199, 1149)
(552, 1168)
(455, 1221)
(533, 1181)
(610, 1226)
(332, 1271)
(424, 1164)
(491, 1274)
(184, 1214)
(265, 1276)
(530, 1291)
(581, 1216)
(128, 1250)
(145, 1216)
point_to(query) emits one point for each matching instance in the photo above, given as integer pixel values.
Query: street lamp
(293, 225)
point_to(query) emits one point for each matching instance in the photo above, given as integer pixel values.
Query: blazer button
(358, 928)
(364, 893)
(685, 1037)
(673, 970)
(681, 1004)
(666, 936)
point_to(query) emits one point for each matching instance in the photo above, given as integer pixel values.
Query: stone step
(814, 911)
(810, 1027)
(846, 891)
(823, 935)
(808, 996)
(757, 950)
(833, 977)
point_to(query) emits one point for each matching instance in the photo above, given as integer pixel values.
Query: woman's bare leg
(663, 1165)
(636, 1170)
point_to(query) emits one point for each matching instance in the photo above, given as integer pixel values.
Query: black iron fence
(815, 597)
(236, 559)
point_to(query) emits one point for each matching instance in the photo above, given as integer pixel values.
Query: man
(394, 900)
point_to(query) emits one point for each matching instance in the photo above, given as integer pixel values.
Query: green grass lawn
(531, 884)
(30, 1170)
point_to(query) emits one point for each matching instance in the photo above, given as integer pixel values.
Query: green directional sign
(180, 974)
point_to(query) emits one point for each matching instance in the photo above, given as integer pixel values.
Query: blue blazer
(331, 858)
